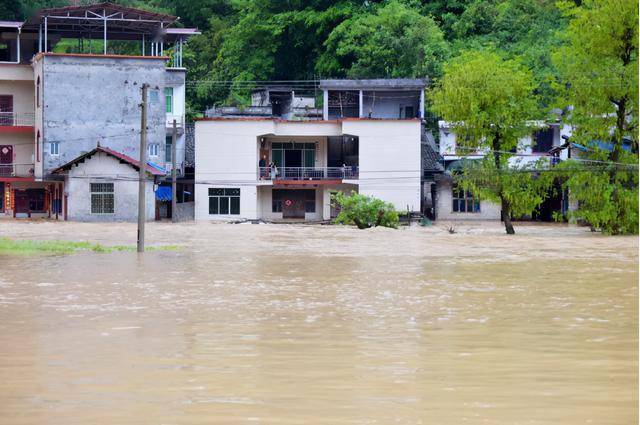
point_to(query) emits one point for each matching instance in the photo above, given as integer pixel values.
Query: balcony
(15, 170)
(302, 174)
(16, 119)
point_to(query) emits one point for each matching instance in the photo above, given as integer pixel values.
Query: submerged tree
(364, 211)
(599, 69)
(490, 104)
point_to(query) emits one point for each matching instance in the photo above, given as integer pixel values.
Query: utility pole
(174, 182)
(142, 174)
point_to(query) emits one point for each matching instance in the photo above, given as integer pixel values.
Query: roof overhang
(152, 169)
(376, 84)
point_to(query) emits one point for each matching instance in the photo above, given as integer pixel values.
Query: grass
(12, 246)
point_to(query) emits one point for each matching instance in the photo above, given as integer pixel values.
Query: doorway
(294, 203)
(6, 160)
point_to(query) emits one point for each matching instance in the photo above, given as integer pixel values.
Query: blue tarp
(605, 146)
(157, 167)
(163, 193)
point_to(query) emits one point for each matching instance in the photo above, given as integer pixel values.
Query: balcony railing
(14, 119)
(16, 170)
(309, 173)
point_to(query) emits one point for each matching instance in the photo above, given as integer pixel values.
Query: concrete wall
(102, 168)
(87, 99)
(175, 78)
(389, 153)
(23, 96)
(444, 206)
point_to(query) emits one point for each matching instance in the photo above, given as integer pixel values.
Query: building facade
(377, 155)
(57, 104)
(453, 203)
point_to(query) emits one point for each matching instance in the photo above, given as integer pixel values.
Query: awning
(163, 193)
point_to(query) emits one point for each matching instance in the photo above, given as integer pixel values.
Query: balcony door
(6, 109)
(6, 160)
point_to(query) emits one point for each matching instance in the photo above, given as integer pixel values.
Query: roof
(10, 24)
(122, 22)
(151, 168)
(163, 193)
(431, 160)
(379, 84)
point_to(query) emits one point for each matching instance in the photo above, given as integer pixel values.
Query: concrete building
(453, 203)
(378, 156)
(58, 102)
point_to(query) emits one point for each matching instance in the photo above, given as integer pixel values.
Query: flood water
(284, 324)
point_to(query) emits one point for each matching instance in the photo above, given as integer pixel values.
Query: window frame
(57, 148)
(168, 99)
(102, 193)
(227, 196)
(460, 197)
(153, 150)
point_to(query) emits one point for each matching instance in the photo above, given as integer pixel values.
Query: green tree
(392, 40)
(364, 211)
(490, 103)
(599, 70)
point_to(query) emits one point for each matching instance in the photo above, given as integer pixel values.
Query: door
(6, 109)
(6, 160)
(292, 164)
(21, 200)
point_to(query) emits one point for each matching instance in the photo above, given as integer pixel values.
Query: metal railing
(309, 173)
(12, 119)
(16, 170)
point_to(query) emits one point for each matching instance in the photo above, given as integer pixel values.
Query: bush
(364, 211)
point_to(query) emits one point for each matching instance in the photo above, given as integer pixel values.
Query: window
(464, 201)
(167, 148)
(54, 148)
(153, 149)
(102, 198)
(224, 201)
(168, 96)
(542, 140)
(36, 200)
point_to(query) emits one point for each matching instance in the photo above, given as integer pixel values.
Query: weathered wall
(102, 168)
(444, 206)
(91, 99)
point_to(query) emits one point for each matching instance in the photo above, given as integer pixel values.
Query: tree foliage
(394, 41)
(364, 211)
(490, 102)
(599, 71)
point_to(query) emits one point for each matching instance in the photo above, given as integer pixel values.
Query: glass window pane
(455, 205)
(213, 204)
(309, 158)
(276, 156)
(235, 204)
(232, 192)
(224, 205)
(216, 192)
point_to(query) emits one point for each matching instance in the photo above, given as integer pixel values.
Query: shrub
(364, 211)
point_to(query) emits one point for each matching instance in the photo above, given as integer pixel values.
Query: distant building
(367, 140)
(57, 107)
(453, 203)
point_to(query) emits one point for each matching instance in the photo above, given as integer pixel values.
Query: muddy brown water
(283, 324)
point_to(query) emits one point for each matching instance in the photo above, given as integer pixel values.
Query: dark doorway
(29, 201)
(294, 202)
(6, 160)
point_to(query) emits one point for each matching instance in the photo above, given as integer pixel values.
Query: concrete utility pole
(142, 175)
(174, 182)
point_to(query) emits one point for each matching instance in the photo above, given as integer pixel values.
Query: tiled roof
(431, 160)
(154, 170)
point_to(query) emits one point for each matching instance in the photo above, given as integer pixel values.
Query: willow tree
(490, 104)
(599, 70)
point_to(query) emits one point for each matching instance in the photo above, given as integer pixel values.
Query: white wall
(102, 168)
(444, 206)
(390, 164)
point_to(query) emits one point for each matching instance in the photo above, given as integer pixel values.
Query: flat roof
(10, 24)
(376, 84)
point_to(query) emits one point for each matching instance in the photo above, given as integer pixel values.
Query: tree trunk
(506, 216)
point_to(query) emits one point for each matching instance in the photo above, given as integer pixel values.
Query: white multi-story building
(453, 203)
(367, 141)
